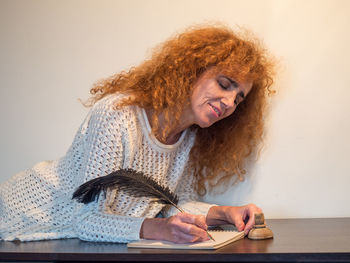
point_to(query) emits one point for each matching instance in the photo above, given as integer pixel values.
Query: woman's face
(216, 97)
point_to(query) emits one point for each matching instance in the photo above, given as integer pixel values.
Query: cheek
(229, 112)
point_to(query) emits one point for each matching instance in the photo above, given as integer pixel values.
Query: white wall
(51, 52)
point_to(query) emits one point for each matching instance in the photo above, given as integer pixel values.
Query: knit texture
(36, 204)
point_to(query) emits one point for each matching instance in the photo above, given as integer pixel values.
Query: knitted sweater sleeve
(105, 141)
(188, 197)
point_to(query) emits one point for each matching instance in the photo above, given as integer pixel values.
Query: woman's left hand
(241, 216)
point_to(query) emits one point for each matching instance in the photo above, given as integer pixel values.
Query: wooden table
(296, 240)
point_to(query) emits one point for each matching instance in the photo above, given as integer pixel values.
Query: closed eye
(226, 83)
(223, 86)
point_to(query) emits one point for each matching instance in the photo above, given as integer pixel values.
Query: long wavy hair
(164, 83)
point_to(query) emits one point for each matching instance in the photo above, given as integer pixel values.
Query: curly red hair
(164, 83)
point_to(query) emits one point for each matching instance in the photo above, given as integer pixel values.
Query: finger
(190, 232)
(251, 221)
(186, 223)
(198, 220)
(249, 225)
(238, 222)
(193, 230)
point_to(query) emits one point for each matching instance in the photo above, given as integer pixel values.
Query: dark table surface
(295, 240)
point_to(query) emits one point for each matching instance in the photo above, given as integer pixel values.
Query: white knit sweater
(36, 203)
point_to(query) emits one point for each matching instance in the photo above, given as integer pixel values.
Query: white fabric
(36, 204)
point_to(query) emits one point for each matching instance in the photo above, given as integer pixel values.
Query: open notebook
(223, 236)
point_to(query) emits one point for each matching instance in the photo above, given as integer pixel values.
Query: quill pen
(131, 182)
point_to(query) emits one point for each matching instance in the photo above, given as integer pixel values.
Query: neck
(175, 132)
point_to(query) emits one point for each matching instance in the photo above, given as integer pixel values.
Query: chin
(205, 124)
(205, 121)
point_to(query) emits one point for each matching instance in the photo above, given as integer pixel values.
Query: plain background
(51, 53)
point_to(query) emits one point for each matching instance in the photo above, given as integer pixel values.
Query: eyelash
(234, 84)
(223, 86)
(226, 88)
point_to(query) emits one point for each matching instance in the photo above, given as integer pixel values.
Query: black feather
(130, 181)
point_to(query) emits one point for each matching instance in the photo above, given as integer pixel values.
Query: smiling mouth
(216, 110)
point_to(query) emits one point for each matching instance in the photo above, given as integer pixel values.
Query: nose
(229, 99)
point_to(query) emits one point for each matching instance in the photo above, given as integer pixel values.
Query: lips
(216, 110)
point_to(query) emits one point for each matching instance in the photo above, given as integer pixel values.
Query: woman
(170, 118)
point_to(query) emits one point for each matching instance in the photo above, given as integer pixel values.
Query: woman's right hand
(180, 228)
